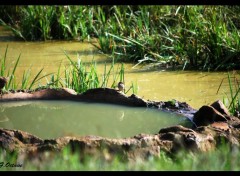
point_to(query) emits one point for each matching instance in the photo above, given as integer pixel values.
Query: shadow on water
(9, 39)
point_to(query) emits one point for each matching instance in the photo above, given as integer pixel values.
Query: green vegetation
(10, 74)
(232, 101)
(77, 76)
(223, 159)
(198, 37)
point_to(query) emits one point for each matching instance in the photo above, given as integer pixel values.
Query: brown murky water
(195, 88)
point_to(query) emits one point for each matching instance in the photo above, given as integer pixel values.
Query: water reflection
(51, 119)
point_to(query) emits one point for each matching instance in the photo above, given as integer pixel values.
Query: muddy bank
(211, 125)
(101, 95)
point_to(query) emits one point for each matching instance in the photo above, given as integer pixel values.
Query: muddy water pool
(52, 119)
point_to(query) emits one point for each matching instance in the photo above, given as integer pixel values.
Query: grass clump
(80, 77)
(232, 95)
(189, 37)
(77, 75)
(10, 74)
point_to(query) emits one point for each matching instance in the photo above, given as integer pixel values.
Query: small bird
(3, 82)
(121, 86)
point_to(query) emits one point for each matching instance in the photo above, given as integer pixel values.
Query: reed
(10, 73)
(232, 95)
(80, 77)
(187, 37)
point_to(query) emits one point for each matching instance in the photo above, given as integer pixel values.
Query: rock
(234, 122)
(186, 139)
(171, 140)
(220, 125)
(71, 91)
(207, 115)
(175, 129)
(141, 146)
(101, 95)
(213, 124)
(15, 140)
(237, 114)
(219, 106)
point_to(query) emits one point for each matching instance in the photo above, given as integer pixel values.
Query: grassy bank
(222, 159)
(189, 37)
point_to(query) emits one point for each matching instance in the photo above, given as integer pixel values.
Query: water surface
(195, 88)
(52, 119)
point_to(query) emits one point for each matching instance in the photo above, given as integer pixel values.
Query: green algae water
(52, 119)
(195, 88)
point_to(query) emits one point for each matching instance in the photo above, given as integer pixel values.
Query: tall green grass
(77, 75)
(189, 37)
(232, 95)
(11, 76)
(81, 77)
